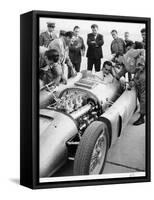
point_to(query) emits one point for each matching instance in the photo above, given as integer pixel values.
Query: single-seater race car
(80, 121)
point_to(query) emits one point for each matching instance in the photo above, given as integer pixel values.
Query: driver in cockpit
(108, 71)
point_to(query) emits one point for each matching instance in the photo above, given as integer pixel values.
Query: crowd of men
(60, 58)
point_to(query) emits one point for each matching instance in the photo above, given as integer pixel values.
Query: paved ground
(126, 155)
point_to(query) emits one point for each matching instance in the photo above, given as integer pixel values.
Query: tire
(86, 157)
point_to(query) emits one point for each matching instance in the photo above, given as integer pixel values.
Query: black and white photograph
(92, 99)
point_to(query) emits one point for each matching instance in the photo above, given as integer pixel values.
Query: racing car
(80, 121)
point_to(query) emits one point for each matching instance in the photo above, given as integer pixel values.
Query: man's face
(119, 59)
(107, 69)
(51, 28)
(143, 36)
(114, 35)
(126, 36)
(76, 32)
(69, 40)
(48, 62)
(94, 30)
(128, 48)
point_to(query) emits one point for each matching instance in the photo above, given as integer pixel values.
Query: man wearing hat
(47, 36)
(94, 52)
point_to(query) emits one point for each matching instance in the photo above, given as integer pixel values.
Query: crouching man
(62, 46)
(52, 71)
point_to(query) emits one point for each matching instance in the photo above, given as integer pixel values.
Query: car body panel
(57, 130)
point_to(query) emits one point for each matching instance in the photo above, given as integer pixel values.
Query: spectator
(127, 40)
(76, 49)
(117, 45)
(94, 52)
(62, 33)
(47, 36)
(143, 33)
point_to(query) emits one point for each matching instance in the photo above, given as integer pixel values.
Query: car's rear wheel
(91, 153)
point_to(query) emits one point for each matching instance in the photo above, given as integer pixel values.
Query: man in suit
(76, 49)
(47, 36)
(94, 52)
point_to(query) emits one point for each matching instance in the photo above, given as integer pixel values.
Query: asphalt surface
(125, 156)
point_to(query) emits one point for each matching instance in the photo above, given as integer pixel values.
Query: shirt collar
(50, 33)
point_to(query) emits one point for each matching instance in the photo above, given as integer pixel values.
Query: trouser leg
(90, 64)
(97, 65)
(77, 66)
(142, 103)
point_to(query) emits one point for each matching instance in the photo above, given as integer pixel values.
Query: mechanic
(134, 62)
(62, 46)
(52, 72)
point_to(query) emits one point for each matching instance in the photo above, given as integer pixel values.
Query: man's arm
(111, 48)
(41, 40)
(58, 73)
(90, 41)
(100, 41)
(124, 46)
(83, 45)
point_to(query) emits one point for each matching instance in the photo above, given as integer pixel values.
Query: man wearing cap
(47, 36)
(94, 52)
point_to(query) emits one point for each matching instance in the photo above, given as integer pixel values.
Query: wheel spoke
(98, 155)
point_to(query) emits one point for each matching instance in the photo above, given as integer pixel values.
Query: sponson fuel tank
(55, 129)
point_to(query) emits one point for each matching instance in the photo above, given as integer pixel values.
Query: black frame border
(29, 135)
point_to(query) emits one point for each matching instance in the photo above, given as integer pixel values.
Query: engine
(80, 105)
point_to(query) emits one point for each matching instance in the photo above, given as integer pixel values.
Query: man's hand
(73, 72)
(64, 81)
(131, 84)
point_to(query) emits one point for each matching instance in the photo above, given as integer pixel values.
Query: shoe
(139, 121)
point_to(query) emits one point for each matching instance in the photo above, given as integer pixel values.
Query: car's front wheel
(92, 150)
